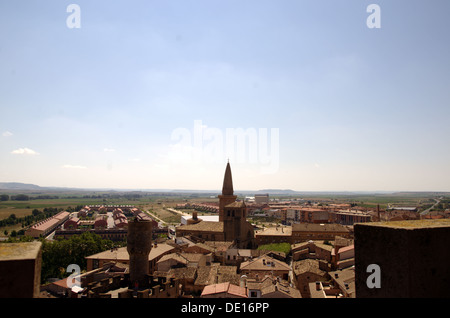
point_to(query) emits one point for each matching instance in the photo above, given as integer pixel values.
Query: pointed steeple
(227, 188)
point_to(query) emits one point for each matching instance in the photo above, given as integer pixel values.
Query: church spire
(227, 188)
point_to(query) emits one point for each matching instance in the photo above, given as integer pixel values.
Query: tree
(60, 254)
(4, 197)
(20, 197)
(36, 212)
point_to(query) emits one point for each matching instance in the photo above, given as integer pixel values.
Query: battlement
(155, 287)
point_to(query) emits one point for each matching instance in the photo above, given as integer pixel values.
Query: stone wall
(413, 258)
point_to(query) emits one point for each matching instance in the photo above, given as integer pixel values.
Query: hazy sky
(148, 94)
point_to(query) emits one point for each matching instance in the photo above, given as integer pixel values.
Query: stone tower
(227, 196)
(233, 215)
(139, 244)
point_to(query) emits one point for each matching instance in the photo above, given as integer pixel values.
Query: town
(230, 247)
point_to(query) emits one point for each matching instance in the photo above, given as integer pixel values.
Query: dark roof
(207, 226)
(237, 204)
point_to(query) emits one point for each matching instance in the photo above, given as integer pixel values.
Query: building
(215, 274)
(301, 232)
(309, 215)
(269, 287)
(72, 223)
(113, 234)
(349, 217)
(232, 224)
(343, 257)
(44, 228)
(121, 255)
(277, 234)
(306, 231)
(176, 260)
(308, 271)
(312, 250)
(262, 198)
(344, 280)
(265, 266)
(224, 290)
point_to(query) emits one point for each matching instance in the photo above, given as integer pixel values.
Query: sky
(297, 94)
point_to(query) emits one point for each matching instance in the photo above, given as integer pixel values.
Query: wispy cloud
(7, 134)
(74, 167)
(24, 151)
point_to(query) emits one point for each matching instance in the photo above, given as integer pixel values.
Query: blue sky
(355, 108)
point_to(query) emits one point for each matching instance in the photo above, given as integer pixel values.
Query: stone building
(232, 225)
(308, 271)
(121, 255)
(265, 265)
(402, 259)
(301, 232)
(20, 269)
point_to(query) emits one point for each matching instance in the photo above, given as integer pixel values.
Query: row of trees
(36, 215)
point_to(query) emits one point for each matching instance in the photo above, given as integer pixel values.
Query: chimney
(318, 286)
(243, 281)
(194, 215)
(336, 275)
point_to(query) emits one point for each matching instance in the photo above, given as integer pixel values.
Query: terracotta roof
(121, 254)
(345, 279)
(175, 256)
(236, 204)
(282, 289)
(219, 246)
(264, 262)
(215, 273)
(225, 288)
(307, 266)
(346, 248)
(206, 226)
(180, 273)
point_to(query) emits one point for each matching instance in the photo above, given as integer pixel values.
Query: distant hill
(18, 186)
(277, 191)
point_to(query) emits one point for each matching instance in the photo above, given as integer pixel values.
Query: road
(425, 212)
